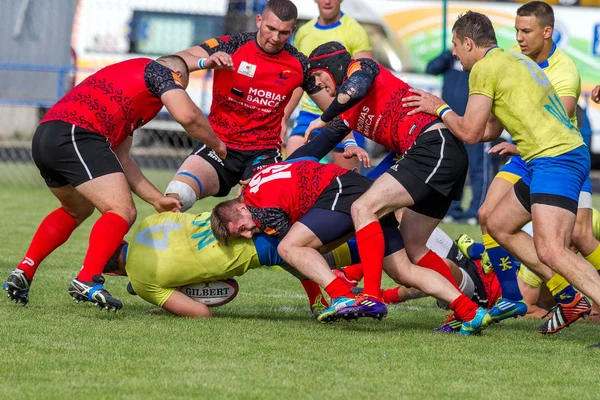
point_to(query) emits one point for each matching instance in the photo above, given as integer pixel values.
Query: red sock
(371, 247)
(106, 236)
(434, 262)
(54, 230)
(354, 272)
(313, 291)
(337, 288)
(390, 296)
(464, 308)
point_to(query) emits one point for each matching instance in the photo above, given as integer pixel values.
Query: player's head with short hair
(543, 13)
(285, 10)
(179, 67)
(230, 219)
(331, 59)
(534, 25)
(473, 34)
(276, 25)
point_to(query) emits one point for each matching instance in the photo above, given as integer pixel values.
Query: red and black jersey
(379, 115)
(248, 102)
(278, 195)
(116, 100)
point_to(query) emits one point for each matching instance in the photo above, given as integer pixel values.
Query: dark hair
(542, 12)
(224, 213)
(477, 27)
(176, 62)
(285, 10)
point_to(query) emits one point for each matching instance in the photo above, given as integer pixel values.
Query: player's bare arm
(182, 306)
(569, 103)
(139, 184)
(184, 111)
(192, 55)
(470, 128)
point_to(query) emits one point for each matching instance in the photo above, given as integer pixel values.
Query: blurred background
(51, 45)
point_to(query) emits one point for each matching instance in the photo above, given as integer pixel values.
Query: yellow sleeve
(567, 85)
(482, 79)
(360, 39)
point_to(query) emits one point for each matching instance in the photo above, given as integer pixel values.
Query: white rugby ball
(212, 294)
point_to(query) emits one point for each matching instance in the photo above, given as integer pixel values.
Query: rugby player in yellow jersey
(171, 249)
(534, 26)
(509, 90)
(331, 24)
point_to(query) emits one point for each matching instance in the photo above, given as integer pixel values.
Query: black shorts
(433, 171)
(330, 226)
(343, 191)
(67, 154)
(239, 164)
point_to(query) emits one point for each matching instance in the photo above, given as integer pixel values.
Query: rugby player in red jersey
(255, 76)
(426, 179)
(81, 148)
(307, 205)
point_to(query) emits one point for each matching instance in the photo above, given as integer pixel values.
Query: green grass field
(262, 345)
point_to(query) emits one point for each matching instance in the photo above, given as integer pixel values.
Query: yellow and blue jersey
(526, 103)
(346, 31)
(170, 250)
(563, 74)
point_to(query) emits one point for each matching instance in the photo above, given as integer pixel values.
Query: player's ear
(258, 20)
(547, 32)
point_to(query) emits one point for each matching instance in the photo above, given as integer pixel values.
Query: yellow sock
(594, 258)
(489, 242)
(342, 256)
(556, 284)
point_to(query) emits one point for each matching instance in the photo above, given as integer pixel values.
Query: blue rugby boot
(365, 306)
(505, 308)
(329, 314)
(474, 326)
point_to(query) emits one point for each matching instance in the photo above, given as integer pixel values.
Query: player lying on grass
(307, 205)
(170, 250)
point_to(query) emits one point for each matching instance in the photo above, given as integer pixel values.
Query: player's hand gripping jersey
(529, 109)
(278, 195)
(249, 101)
(116, 100)
(379, 114)
(170, 250)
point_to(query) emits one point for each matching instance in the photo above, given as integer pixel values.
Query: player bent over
(82, 148)
(426, 179)
(307, 204)
(170, 250)
(255, 76)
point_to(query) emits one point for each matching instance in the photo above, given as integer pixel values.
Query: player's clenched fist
(165, 203)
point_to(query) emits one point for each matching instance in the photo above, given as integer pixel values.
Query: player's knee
(483, 215)
(360, 208)
(186, 194)
(547, 253)
(284, 249)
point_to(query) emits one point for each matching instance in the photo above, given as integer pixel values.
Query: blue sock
(505, 267)
(475, 250)
(566, 295)
(353, 251)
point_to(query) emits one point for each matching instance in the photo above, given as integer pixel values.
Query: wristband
(443, 109)
(348, 143)
(201, 62)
